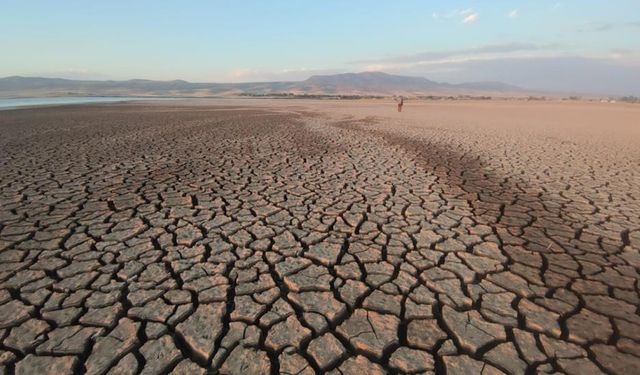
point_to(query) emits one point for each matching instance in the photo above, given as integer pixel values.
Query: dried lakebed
(181, 239)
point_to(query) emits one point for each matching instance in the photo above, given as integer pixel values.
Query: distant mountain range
(368, 83)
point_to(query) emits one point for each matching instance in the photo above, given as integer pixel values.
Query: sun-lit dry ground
(298, 237)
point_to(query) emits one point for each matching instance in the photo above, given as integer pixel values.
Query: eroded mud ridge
(159, 239)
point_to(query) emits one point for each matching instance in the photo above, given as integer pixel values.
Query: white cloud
(242, 73)
(470, 18)
(603, 27)
(446, 15)
(468, 15)
(491, 50)
(628, 55)
(285, 74)
(375, 67)
(513, 14)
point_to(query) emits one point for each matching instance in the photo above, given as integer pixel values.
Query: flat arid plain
(302, 237)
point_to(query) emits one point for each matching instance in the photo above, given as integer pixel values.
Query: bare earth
(258, 237)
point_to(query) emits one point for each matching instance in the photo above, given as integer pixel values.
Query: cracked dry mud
(188, 239)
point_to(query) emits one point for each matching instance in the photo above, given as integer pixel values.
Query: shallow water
(27, 102)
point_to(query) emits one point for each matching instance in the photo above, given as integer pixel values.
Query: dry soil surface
(264, 237)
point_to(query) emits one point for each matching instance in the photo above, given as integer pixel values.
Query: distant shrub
(630, 99)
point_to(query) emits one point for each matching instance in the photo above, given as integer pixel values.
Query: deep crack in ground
(167, 238)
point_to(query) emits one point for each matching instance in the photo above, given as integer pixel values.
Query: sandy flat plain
(301, 237)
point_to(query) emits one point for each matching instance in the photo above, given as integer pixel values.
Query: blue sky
(228, 41)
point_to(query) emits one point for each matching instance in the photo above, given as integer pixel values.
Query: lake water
(27, 102)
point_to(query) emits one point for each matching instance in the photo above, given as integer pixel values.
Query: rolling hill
(367, 83)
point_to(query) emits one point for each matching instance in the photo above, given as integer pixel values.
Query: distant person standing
(400, 101)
